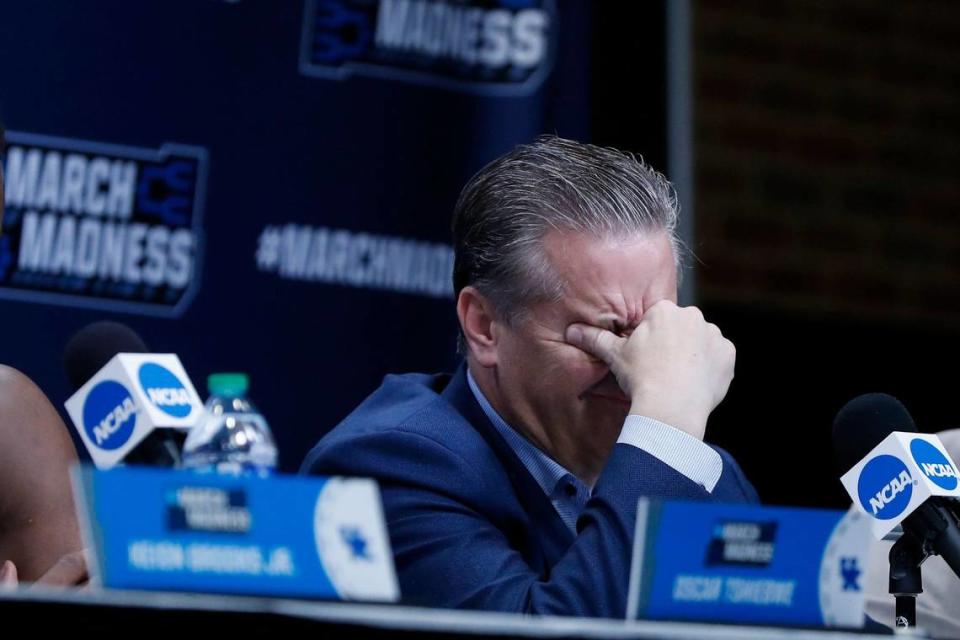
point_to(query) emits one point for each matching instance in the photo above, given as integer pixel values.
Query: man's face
(552, 390)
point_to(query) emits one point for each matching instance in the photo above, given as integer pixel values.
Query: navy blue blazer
(471, 528)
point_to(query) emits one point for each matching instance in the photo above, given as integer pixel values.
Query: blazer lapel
(554, 536)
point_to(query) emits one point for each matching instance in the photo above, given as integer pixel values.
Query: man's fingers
(8, 576)
(596, 341)
(68, 571)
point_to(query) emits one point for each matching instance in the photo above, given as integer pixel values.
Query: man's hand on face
(675, 366)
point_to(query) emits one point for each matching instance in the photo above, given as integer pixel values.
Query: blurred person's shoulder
(951, 440)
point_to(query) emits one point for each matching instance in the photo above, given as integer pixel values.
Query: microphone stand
(161, 448)
(906, 556)
(933, 529)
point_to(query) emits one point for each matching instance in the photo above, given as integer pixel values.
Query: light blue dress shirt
(569, 495)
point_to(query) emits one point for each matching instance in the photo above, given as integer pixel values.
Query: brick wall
(827, 140)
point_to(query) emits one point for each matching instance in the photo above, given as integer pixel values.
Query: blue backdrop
(263, 185)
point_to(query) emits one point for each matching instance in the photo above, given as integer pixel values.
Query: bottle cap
(228, 384)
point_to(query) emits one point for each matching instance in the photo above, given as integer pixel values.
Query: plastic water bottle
(232, 436)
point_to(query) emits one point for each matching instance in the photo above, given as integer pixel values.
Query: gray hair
(506, 209)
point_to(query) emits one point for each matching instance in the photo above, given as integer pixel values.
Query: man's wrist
(683, 452)
(691, 421)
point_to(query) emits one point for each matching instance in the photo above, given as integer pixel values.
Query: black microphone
(93, 346)
(87, 352)
(859, 427)
(863, 423)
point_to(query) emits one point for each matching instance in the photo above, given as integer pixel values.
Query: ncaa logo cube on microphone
(165, 390)
(899, 475)
(935, 464)
(109, 415)
(885, 487)
(131, 396)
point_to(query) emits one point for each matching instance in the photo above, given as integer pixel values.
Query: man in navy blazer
(512, 485)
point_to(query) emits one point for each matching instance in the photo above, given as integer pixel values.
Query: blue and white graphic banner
(283, 536)
(499, 47)
(748, 563)
(102, 225)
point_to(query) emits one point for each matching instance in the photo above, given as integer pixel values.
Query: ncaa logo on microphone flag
(165, 390)
(497, 47)
(936, 466)
(105, 226)
(885, 487)
(109, 415)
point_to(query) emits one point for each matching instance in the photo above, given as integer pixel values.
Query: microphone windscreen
(93, 346)
(863, 423)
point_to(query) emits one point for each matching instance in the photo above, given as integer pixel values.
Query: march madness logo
(501, 47)
(104, 226)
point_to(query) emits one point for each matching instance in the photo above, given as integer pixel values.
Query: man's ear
(479, 324)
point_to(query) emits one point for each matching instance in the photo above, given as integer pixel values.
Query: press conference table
(110, 611)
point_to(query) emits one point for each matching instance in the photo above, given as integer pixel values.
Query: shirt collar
(548, 473)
